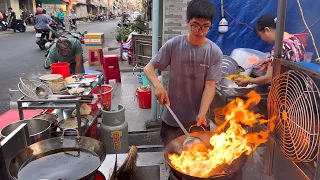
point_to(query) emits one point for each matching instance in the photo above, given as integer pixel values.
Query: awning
(50, 1)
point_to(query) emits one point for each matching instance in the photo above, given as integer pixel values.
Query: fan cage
(293, 100)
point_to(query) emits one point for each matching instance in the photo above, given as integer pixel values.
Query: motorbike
(101, 17)
(112, 16)
(92, 18)
(20, 26)
(30, 19)
(73, 25)
(43, 35)
(77, 35)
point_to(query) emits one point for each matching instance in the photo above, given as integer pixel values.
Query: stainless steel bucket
(39, 129)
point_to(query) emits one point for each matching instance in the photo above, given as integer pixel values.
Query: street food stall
(290, 131)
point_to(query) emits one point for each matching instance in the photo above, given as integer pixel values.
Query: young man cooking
(195, 67)
(68, 50)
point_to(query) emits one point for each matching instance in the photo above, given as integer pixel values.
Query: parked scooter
(30, 19)
(78, 35)
(20, 26)
(112, 16)
(101, 17)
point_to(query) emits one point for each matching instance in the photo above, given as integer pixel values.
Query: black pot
(80, 156)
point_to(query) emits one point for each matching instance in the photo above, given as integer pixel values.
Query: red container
(303, 38)
(62, 68)
(92, 131)
(106, 94)
(144, 98)
(94, 104)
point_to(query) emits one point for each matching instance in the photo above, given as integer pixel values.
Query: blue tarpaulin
(248, 11)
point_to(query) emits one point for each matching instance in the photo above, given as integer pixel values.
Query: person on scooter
(61, 16)
(73, 18)
(38, 11)
(12, 19)
(44, 12)
(68, 50)
(42, 22)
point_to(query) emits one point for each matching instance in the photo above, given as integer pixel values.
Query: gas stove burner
(236, 176)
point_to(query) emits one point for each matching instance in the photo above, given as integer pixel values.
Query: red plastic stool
(111, 69)
(95, 56)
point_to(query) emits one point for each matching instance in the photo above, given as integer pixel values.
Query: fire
(226, 146)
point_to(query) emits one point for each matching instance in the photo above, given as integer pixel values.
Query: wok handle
(177, 120)
(63, 131)
(197, 126)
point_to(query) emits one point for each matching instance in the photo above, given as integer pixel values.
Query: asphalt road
(20, 56)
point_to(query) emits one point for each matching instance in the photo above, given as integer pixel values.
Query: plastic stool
(111, 69)
(93, 59)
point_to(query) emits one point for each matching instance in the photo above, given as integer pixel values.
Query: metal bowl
(52, 118)
(39, 129)
(229, 66)
(232, 89)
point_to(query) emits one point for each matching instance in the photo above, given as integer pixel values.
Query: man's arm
(78, 60)
(207, 98)
(78, 57)
(212, 76)
(160, 61)
(51, 55)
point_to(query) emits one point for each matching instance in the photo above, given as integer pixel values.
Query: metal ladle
(41, 92)
(191, 142)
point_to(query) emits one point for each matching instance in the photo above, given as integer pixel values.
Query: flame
(226, 146)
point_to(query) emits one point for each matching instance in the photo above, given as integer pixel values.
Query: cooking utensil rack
(25, 103)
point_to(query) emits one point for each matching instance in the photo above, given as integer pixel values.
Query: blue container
(145, 81)
(139, 77)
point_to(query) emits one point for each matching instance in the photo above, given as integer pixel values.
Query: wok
(221, 172)
(69, 158)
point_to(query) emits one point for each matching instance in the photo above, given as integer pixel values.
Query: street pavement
(20, 56)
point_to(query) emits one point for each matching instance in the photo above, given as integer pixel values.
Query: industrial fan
(294, 101)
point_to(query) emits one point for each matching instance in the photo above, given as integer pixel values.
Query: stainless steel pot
(39, 129)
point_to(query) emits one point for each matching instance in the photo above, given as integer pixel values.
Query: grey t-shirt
(190, 68)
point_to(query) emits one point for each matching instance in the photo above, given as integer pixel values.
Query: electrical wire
(305, 23)
(316, 22)
(239, 22)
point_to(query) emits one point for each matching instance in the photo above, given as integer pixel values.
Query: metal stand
(26, 104)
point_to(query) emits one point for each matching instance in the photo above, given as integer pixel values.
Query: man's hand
(243, 82)
(201, 119)
(162, 95)
(262, 62)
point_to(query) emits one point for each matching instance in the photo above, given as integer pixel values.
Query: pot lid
(49, 77)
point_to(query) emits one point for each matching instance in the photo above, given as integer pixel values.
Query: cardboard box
(94, 40)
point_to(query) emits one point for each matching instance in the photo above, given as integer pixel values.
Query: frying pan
(70, 157)
(219, 173)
